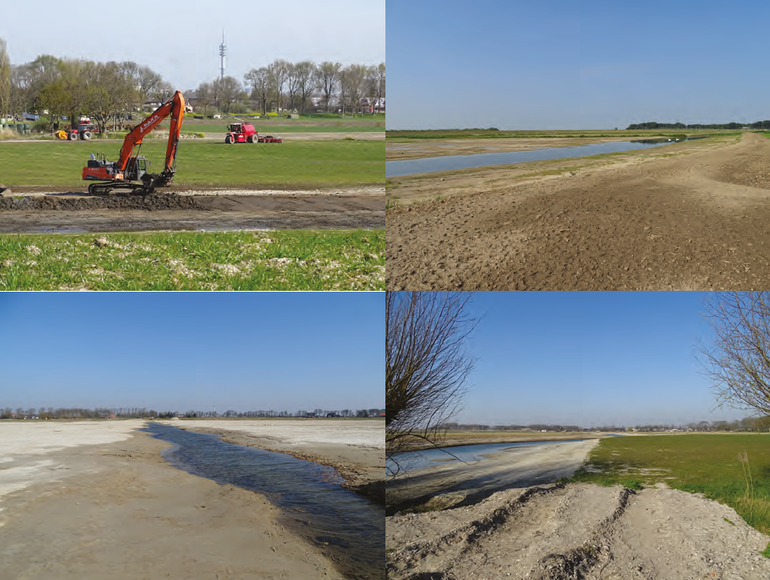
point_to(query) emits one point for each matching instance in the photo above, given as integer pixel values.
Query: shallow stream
(451, 162)
(346, 527)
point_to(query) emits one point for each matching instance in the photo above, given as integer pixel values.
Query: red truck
(245, 133)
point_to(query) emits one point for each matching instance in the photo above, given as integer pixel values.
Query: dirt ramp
(578, 531)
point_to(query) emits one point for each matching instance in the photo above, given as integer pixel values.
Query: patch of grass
(299, 164)
(766, 552)
(697, 463)
(275, 260)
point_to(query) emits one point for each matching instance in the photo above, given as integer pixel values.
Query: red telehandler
(130, 167)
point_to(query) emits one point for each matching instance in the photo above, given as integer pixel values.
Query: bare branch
(426, 364)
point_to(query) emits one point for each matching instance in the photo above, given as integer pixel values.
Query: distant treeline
(747, 424)
(655, 125)
(143, 413)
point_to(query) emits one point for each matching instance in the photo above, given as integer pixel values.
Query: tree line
(761, 125)
(108, 92)
(144, 413)
(747, 424)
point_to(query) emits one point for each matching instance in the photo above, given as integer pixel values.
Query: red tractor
(245, 133)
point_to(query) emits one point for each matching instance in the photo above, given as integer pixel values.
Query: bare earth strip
(36, 211)
(690, 216)
(578, 531)
(89, 501)
(356, 449)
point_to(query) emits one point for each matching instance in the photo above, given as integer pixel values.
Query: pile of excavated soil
(577, 531)
(112, 202)
(664, 221)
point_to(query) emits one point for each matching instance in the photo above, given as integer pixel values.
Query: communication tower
(222, 54)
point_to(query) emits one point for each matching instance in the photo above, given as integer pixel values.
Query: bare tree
(426, 364)
(303, 74)
(5, 80)
(739, 360)
(328, 76)
(258, 80)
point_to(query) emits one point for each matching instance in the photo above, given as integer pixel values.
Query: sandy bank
(688, 216)
(456, 483)
(120, 510)
(578, 531)
(421, 148)
(355, 448)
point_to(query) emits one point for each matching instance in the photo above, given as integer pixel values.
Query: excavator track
(110, 186)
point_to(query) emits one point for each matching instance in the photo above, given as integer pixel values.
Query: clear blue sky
(179, 351)
(180, 40)
(589, 359)
(560, 64)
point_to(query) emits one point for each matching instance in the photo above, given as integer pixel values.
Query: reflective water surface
(450, 162)
(347, 527)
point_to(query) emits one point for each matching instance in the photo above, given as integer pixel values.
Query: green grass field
(288, 165)
(696, 463)
(278, 127)
(276, 260)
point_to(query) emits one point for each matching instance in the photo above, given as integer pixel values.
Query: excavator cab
(136, 168)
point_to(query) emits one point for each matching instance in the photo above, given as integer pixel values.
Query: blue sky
(179, 351)
(559, 64)
(180, 40)
(589, 359)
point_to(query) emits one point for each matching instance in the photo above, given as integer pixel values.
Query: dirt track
(690, 216)
(577, 531)
(65, 212)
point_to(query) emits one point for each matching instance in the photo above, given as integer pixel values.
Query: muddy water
(415, 460)
(452, 162)
(347, 528)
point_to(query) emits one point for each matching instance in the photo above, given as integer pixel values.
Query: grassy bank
(696, 463)
(289, 165)
(278, 260)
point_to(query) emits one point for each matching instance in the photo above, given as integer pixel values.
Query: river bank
(688, 216)
(85, 500)
(456, 483)
(355, 448)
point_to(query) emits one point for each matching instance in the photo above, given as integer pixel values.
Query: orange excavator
(130, 168)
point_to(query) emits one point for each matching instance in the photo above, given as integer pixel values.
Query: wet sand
(111, 506)
(355, 448)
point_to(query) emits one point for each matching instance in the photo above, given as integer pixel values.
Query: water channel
(452, 162)
(345, 526)
(414, 460)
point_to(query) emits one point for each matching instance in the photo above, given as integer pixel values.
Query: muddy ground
(35, 210)
(355, 448)
(577, 531)
(101, 507)
(688, 216)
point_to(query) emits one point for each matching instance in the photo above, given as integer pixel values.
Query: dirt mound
(578, 531)
(688, 222)
(111, 202)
